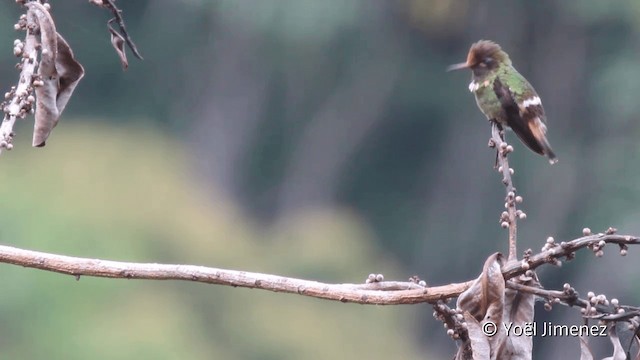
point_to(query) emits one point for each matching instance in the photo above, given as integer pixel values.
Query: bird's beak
(463, 65)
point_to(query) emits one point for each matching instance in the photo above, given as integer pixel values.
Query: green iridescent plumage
(487, 99)
(506, 97)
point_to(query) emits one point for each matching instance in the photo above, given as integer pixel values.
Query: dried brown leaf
(46, 109)
(484, 301)
(519, 312)
(618, 350)
(464, 351)
(118, 43)
(58, 70)
(485, 298)
(480, 347)
(70, 72)
(585, 350)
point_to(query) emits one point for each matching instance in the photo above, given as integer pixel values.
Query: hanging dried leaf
(485, 298)
(585, 350)
(637, 342)
(118, 43)
(519, 310)
(484, 301)
(46, 109)
(59, 73)
(70, 72)
(480, 347)
(618, 350)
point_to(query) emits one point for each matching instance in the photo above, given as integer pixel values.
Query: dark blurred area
(319, 139)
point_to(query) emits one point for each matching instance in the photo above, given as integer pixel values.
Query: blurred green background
(318, 139)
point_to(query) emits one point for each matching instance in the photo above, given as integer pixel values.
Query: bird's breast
(489, 104)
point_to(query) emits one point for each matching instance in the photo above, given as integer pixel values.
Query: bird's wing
(525, 96)
(521, 119)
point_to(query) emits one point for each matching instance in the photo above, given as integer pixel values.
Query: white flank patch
(474, 86)
(532, 101)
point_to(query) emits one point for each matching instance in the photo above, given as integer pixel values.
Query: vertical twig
(511, 214)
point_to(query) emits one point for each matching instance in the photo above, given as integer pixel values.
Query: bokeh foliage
(124, 193)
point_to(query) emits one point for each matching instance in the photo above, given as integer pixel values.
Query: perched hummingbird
(505, 96)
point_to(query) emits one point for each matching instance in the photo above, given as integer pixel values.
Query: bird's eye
(486, 62)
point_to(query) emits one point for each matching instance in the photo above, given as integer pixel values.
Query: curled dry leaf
(484, 302)
(118, 43)
(59, 72)
(635, 341)
(618, 350)
(519, 310)
(70, 72)
(478, 341)
(487, 291)
(585, 350)
(46, 109)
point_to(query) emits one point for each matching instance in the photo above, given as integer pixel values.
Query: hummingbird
(506, 97)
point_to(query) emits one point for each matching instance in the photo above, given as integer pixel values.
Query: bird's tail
(537, 140)
(533, 136)
(551, 155)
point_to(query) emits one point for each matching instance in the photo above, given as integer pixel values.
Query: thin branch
(378, 293)
(554, 252)
(569, 297)
(452, 319)
(117, 17)
(510, 217)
